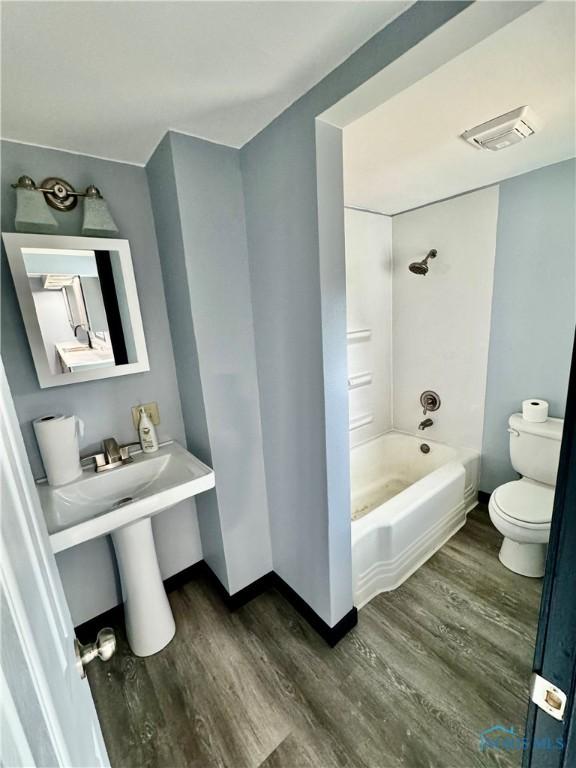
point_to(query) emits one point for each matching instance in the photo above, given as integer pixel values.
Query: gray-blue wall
(533, 306)
(209, 290)
(279, 175)
(164, 194)
(88, 571)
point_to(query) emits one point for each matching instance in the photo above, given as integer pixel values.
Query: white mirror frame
(14, 242)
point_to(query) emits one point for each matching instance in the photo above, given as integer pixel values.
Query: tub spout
(425, 424)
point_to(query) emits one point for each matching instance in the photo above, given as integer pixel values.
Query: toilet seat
(525, 502)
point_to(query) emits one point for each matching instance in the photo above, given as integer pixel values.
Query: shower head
(418, 267)
(421, 267)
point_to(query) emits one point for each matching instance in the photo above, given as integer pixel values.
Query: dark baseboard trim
(86, 632)
(234, 601)
(483, 497)
(243, 596)
(183, 577)
(331, 635)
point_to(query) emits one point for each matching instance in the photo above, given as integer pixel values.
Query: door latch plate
(547, 696)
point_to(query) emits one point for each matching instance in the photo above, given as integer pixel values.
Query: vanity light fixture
(98, 220)
(32, 215)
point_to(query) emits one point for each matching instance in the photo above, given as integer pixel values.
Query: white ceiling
(407, 152)
(109, 78)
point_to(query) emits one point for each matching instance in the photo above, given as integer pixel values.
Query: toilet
(522, 509)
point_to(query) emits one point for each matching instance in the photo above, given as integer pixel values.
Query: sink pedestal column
(149, 621)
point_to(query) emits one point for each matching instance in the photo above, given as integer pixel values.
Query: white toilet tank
(535, 447)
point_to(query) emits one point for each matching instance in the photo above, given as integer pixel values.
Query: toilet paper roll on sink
(534, 410)
(57, 437)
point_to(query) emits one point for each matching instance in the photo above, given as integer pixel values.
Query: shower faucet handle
(430, 401)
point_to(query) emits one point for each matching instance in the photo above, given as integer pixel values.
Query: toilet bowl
(522, 510)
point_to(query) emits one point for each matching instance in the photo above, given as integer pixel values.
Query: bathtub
(405, 505)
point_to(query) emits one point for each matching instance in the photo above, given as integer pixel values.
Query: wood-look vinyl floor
(428, 667)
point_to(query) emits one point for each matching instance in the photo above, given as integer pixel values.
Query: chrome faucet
(111, 450)
(112, 456)
(425, 424)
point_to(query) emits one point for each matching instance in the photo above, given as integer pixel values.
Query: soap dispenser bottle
(147, 433)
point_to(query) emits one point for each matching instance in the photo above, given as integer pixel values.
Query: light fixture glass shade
(98, 220)
(32, 213)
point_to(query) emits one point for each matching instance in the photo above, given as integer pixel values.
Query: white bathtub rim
(395, 562)
(464, 450)
(400, 505)
(383, 563)
(377, 578)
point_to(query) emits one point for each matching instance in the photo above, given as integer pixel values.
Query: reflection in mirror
(67, 290)
(79, 305)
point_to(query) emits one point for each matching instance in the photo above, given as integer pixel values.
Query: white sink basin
(121, 502)
(99, 503)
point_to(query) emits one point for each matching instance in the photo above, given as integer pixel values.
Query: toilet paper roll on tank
(57, 437)
(534, 410)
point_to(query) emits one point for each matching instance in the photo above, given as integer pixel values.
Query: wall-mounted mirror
(80, 306)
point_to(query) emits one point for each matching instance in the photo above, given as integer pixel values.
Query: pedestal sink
(121, 502)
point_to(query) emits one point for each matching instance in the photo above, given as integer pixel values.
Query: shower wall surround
(89, 571)
(369, 319)
(425, 332)
(441, 321)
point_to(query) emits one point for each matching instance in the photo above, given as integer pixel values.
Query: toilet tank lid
(551, 428)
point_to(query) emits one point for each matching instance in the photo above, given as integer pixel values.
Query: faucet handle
(125, 453)
(430, 401)
(96, 459)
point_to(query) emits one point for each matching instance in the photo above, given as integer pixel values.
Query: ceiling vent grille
(503, 131)
(56, 282)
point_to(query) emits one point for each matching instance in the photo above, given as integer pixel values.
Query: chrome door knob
(103, 648)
